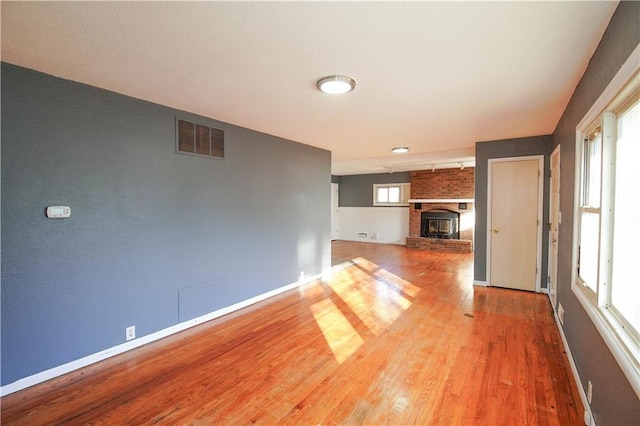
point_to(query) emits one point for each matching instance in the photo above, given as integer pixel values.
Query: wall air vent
(197, 139)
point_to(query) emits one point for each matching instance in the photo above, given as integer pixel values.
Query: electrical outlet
(560, 313)
(131, 332)
(589, 392)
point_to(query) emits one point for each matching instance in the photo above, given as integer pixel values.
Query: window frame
(585, 206)
(404, 189)
(618, 337)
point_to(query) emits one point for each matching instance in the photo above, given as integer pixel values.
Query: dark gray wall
(536, 145)
(614, 401)
(357, 190)
(151, 232)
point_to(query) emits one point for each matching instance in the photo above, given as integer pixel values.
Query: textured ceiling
(434, 76)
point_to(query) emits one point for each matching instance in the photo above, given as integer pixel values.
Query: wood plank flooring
(397, 336)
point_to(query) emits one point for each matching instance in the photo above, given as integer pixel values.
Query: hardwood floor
(397, 336)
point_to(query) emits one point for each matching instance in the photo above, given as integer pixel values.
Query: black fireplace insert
(440, 224)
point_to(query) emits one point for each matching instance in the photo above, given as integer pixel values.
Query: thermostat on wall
(58, 212)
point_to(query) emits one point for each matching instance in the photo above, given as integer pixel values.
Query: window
(394, 194)
(607, 278)
(625, 289)
(590, 209)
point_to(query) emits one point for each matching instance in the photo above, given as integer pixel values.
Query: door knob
(495, 231)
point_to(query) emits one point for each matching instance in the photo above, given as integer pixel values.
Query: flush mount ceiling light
(336, 84)
(400, 149)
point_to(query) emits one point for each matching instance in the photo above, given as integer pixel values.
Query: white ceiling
(434, 76)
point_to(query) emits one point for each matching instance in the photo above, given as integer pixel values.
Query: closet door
(514, 222)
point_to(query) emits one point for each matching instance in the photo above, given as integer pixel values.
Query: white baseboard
(362, 240)
(132, 344)
(583, 396)
(480, 283)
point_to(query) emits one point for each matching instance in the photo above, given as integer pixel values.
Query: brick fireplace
(441, 213)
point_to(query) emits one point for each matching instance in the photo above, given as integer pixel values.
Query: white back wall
(388, 225)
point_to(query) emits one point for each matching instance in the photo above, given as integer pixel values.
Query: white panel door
(514, 220)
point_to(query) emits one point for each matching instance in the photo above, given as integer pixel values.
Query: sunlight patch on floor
(401, 284)
(365, 264)
(376, 296)
(373, 294)
(342, 338)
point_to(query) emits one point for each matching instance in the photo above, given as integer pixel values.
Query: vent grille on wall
(196, 139)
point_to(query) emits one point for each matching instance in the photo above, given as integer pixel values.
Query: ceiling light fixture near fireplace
(400, 149)
(336, 84)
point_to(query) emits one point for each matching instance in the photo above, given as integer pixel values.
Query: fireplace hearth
(440, 224)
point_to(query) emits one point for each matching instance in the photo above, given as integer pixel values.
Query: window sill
(622, 347)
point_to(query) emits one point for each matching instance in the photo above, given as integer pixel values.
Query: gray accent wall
(520, 147)
(151, 232)
(357, 190)
(614, 401)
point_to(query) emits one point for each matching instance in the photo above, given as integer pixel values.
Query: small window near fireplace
(395, 194)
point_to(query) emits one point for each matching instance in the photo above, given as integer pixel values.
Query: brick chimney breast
(443, 184)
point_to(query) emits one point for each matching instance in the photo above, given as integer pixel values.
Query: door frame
(335, 216)
(491, 161)
(554, 297)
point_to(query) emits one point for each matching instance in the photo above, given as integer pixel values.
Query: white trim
(480, 283)
(540, 159)
(574, 370)
(441, 200)
(132, 344)
(612, 340)
(607, 149)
